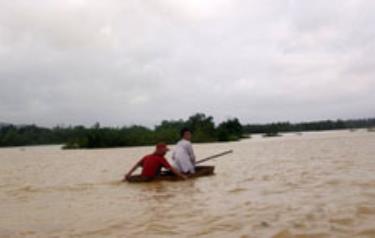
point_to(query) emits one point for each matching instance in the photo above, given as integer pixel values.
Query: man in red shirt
(152, 164)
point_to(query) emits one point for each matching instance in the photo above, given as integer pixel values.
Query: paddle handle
(214, 156)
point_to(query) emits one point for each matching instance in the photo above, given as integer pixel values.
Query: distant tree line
(274, 128)
(202, 126)
(11, 135)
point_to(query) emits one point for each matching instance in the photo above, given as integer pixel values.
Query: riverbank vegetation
(275, 128)
(203, 127)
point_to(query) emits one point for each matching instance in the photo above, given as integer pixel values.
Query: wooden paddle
(214, 156)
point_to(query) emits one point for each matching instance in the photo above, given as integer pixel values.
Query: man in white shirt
(183, 154)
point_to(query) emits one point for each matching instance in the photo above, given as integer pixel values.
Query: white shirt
(183, 156)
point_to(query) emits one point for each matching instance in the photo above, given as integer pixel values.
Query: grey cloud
(124, 62)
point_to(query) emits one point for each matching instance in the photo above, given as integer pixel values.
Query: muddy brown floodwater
(318, 184)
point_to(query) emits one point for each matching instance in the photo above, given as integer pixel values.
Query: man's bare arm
(176, 172)
(139, 163)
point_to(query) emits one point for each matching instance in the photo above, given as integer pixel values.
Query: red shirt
(152, 165)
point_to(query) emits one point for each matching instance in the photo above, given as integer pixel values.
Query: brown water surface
(315, 185)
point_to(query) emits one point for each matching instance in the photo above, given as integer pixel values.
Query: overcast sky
(123, 62)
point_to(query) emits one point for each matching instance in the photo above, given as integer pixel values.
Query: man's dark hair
(183, 130)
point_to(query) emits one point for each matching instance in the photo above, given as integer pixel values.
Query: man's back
(152, 165)
(184, 157)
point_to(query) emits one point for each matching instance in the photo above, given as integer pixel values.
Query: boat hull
(200, 171)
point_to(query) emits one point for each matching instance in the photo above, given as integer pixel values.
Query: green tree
(230, 130)
(202, 127)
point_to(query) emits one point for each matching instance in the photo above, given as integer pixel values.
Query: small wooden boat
(169, 176)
